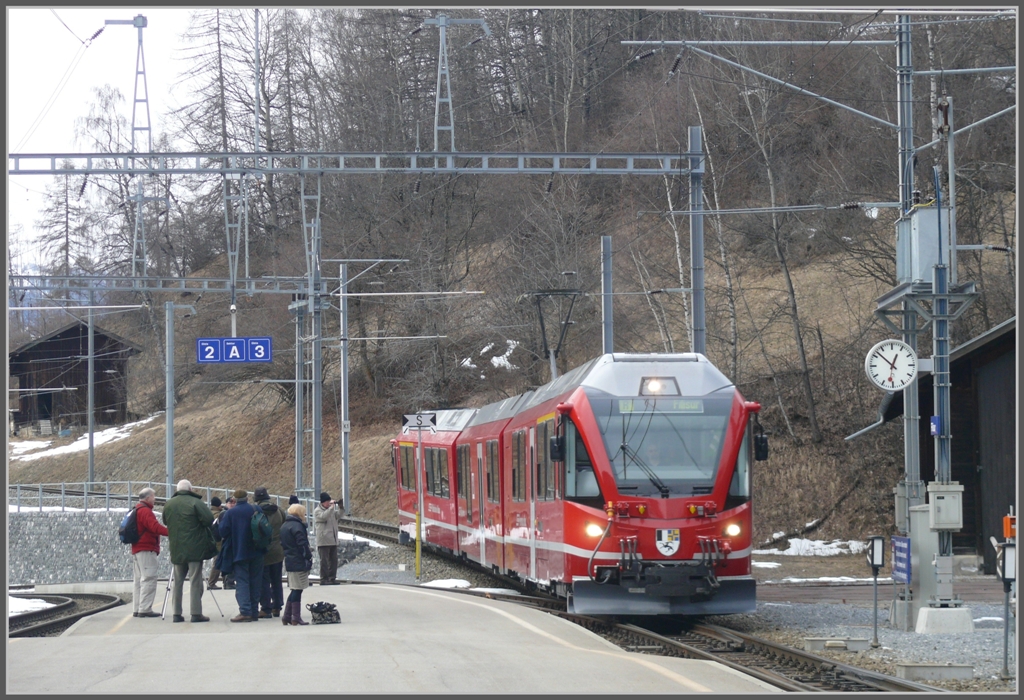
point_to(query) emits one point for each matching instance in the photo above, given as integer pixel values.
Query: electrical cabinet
(945, 506)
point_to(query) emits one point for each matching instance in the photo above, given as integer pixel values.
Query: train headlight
(732, 529)
(659, 386)
(594, 530)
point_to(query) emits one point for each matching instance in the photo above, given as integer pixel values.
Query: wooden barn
(50, 378)
(983, 399)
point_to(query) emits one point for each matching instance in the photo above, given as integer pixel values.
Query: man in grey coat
(327, 518)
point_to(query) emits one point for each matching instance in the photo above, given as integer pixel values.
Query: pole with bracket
(91, 408)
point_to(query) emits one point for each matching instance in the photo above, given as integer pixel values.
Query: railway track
(784, 667)
(66, 610)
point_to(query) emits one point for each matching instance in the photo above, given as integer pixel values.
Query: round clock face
(891, 365)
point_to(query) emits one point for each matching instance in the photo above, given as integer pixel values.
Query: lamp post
(876, 560)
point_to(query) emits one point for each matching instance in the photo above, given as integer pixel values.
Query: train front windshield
(664, 446)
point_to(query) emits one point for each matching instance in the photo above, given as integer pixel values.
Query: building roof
(132, 348)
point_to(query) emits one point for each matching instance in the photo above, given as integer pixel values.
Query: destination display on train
(661, 405)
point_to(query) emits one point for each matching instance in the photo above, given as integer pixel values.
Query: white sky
(40, 50)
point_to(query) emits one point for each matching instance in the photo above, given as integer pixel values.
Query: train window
(442, 464)
(428, 469)
(581, 483)
(493, 488)
(518, 465)
(545, 475)
(408, 467)
(739, 488)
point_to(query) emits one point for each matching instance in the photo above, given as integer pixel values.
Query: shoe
(212, 587)
(297, 614)
(149, 614)
(242, 618)
(277, 612)
(178, 618)
(286, 619)
(265, 614)
(228, 588)
(255, 618)
(135, 614)
(199, 618)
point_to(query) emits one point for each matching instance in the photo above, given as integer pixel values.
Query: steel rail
(39, 629)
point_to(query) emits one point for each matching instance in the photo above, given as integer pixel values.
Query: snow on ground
(836, 579)
(766, 564)
(462, 583)
(357, 538)
(16, 606)
(118, 432)
(20, 448)
(817, 548)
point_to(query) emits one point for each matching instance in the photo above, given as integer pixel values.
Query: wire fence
(111, 495)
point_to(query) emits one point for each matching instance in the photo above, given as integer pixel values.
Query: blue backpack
(128, 532)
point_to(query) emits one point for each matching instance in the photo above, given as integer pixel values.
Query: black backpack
(129, 530)
(261, 529)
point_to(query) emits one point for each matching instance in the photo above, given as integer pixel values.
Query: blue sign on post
(220, 350)
(208, 350)
(900, 559)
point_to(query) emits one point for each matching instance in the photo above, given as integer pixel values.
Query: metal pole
(606, 295)
(300, 323)
(419, 496)
(169, 392)
(317, 367)
(950, 164)
(697, 238)
(1005, 673)
(62, 497)
(256, 94)
(874, 639)
(91, 410)
(346, 425)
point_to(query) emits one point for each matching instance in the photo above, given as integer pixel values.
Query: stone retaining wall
(77, 546)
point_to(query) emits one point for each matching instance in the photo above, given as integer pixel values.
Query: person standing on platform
(241, 558)
(144, 555)
(327, 519)
(216, 508)
(272, 592)
(298, 560)
(189, 524)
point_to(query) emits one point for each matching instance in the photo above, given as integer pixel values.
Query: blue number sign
(220, 350)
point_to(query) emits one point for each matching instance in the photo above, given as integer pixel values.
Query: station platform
(392, 639)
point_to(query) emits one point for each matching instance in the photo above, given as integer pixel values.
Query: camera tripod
(206, 588)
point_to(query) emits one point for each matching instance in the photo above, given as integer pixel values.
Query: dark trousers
(328, 562)
(249, 585)
(272, 597)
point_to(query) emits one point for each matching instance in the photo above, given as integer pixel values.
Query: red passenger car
(623, 486)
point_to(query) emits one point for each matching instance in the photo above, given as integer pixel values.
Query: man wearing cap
(144, 555)
(190, 536)
(272, 590)
(327, 519)
(241, 558)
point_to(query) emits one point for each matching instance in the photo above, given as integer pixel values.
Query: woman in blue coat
(298, 560)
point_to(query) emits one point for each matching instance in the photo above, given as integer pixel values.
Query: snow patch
(448, 583)
(114, 434)
(20, 448)
(502, 360)
(766, 564)
(357, 538)
(816, 548)
(16, 606)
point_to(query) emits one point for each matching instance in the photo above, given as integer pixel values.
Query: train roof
(454, 419)
(617, 374)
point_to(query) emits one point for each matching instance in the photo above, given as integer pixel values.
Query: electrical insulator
(645, 54)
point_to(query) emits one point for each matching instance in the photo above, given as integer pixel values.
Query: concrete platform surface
(392, 639)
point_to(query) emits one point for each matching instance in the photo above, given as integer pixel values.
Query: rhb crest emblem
(667, 541)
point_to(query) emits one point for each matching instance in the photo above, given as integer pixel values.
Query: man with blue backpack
(246, 533)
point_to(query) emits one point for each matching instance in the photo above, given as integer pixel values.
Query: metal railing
(28, 497)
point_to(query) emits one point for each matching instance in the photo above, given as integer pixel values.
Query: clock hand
(892, 364)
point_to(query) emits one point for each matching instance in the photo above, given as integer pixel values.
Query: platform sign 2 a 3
(225, 350)
(900, 559)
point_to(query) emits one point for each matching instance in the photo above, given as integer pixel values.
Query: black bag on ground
(128, 532)
(323, 613)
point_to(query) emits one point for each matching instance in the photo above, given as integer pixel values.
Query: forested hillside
(790, 293)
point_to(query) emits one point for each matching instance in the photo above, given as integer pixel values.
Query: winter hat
(324, 496)
(241, 493)
(261, 494)
(215, 502)
(293, 499)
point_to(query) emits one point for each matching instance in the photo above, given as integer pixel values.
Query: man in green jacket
(191, 541)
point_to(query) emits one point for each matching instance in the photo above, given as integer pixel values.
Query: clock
(891, 365)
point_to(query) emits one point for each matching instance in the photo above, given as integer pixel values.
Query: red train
(623, 486)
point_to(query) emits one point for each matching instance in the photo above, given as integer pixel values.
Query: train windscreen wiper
(655, 479)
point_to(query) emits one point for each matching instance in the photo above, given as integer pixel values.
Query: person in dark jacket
(189, 524)
(240, 554)
(298, 560)
(272, 593)
(144, 555)
(216, 508)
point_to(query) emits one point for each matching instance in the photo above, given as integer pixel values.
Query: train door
(480, 473)
(549, 512)
(532, 497)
